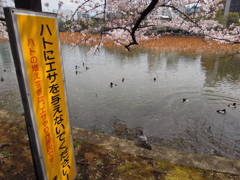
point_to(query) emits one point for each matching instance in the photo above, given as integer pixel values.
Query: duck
(111, 84)
(142, 140)
(222, 111)
(185, 100)
(232, 105)
(123, 79)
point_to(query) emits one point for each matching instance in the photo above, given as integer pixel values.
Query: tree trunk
(34, 5)
(227, 7)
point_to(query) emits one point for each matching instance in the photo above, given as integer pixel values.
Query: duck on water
(233, 105)
(184, 100)
(222, 111)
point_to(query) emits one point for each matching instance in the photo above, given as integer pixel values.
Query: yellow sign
(38, 36)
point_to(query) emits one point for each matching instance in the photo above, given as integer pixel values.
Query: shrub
(233, 17)
(220, 17)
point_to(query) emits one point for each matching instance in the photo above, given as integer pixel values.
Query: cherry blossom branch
(81, 5)
(95, 7)
(194, 22)
(143, 15)
(130, 16)
(97, 14)
(182, 13)
(195, 8)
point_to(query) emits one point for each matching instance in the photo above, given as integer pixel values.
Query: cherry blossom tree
(3, 32)
(128, 21)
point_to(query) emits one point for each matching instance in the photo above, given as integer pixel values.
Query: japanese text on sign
(41, 56)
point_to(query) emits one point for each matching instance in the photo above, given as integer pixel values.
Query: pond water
(209, 82)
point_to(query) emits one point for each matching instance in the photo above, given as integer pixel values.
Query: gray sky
(53, 5)
(67, 8)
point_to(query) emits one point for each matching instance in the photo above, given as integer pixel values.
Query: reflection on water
(220, 69)
(208, 82)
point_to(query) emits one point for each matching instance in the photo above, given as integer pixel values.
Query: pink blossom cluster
(116, 19)
(206, 26)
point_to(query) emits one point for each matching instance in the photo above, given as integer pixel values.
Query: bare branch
(104, 9)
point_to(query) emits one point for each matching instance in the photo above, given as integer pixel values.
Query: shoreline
(158, 44)
(3, 40)
(155, 44)
(99, 156)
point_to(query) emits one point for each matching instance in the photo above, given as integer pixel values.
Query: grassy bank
(101, 157)
(166, 44)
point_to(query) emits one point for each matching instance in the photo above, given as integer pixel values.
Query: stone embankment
(99, 156)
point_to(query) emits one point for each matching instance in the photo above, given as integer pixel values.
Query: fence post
(33, 5)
